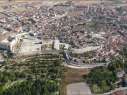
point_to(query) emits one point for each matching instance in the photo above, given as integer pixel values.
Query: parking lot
(78, 89)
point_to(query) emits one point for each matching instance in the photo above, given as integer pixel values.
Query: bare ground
(72, 76)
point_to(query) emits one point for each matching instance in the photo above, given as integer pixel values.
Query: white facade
(57, 44)
(66, 46)
(24, 43)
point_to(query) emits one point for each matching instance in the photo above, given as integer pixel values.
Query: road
(117, 89)
(85, 49)
(85, 66)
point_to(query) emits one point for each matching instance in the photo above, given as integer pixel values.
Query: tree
(104, 86)
(42, 77)
(96, 88)
(101, 77)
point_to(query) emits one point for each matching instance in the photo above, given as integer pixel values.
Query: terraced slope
(34, 76)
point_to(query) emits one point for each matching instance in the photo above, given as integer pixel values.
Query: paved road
(117, 89)
(78, 89)
(88, 66)
(86, 49)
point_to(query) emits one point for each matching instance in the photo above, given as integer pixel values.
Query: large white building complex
(24, 43)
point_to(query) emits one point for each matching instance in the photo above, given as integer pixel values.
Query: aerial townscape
(63, 47)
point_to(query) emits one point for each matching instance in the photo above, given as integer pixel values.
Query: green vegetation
(116, 64)
(34, 76)
(119, 63)
(101, 80)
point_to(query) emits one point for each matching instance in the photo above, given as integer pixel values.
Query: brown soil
(72, 76)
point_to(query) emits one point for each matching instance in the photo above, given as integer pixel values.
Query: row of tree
(38, 77)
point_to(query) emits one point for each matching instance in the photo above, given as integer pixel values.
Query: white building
(57, 44)
(23, 43)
